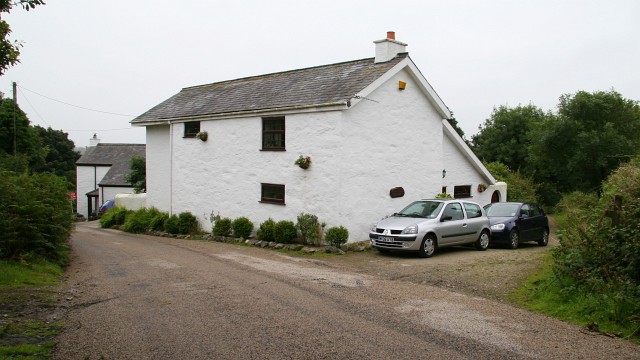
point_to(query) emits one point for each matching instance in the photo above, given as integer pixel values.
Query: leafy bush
(158, 218)
(35, 216)
(285, 232)
(114, 216)
(337, 236)
(599, 248)
(183, 223)
(266, 231)
(222, 227)
(242, 227)
(310, 229)
(521, 188)
(142, 220)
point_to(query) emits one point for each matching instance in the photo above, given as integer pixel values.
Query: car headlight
(413, 229)
(374, 227)
(497, 227)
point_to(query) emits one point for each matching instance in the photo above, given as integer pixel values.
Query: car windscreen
(501, 210)
(423, 209)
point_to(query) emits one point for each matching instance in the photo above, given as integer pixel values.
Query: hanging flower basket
(482, 187)
(202, 135)
(303, 161)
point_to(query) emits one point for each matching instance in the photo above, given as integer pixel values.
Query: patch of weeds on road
(543, 292)
(26, 299)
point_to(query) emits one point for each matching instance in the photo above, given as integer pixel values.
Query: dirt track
(143, 297)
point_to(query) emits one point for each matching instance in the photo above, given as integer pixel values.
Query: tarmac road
(143, 297)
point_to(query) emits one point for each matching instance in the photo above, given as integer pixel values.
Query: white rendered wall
(460, 172)
(110, 192)
(358, 155)
(394, 142)
(158, 167)
(87, 179)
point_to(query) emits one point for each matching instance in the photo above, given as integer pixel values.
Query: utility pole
(15, 133)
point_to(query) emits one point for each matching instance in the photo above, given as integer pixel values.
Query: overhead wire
(76, 106)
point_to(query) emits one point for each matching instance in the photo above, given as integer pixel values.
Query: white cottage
(101, 174)
(375, 130)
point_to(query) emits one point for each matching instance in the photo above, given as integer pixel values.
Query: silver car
(426, 225)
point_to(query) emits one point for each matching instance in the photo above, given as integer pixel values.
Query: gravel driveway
(142, 297)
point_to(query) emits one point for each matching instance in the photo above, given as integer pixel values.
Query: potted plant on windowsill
(303, 161)
(202, 135)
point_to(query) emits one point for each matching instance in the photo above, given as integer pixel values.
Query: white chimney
(387, 49)
(94, 140)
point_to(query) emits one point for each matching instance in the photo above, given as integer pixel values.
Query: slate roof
(117, 156)
(331, 84)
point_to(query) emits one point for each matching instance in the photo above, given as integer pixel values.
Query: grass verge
(544, 293)
(26, 297)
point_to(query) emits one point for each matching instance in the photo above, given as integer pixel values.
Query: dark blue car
(515, 222)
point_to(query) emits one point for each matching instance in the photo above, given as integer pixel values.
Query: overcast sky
(124, 57)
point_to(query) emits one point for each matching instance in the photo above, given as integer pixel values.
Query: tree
(520, 188)
(60, 154)
(505, 136)
(20, 145)
(138, 175)
(593, 134)
(10, 51)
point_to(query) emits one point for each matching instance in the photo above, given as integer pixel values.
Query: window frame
(462, 191)
(266, 133)
(191, 134)
(272, 200)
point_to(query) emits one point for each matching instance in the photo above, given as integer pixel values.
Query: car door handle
(464, 225)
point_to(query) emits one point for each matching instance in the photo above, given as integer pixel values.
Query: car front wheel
(428, 247)
(483, 241)
(514, 239)
(545, 238)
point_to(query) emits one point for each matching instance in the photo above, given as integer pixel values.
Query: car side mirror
(446, 218)
(523, 216)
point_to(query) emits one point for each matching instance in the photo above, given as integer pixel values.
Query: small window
(191, 128)
(462, 191)
(273, 134)
(473, 210)
(272, 193)
(444, 190)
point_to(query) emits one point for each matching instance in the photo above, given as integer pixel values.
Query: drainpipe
(170, 169)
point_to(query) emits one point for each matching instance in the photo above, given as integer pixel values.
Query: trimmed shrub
(242, 227)
(184, 223)
(337, 236)
(114, 216)
(222, 227)
(285, 232)
(266, 230)
(171, 225)
(310, 229)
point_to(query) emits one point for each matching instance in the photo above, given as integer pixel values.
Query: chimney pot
(391, 35)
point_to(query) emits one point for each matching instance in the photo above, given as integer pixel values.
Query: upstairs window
(272, 194)
(273, 134)
(462, 191)
(191, 128)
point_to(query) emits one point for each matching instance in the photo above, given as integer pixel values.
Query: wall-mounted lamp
(444, 173)
(402, 85)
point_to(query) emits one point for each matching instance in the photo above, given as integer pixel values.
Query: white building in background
(101, 173)
(375, 130)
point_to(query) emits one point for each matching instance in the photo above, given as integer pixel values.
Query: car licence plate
(385, 238)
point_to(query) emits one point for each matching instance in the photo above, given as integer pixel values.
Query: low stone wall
(306, 249)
